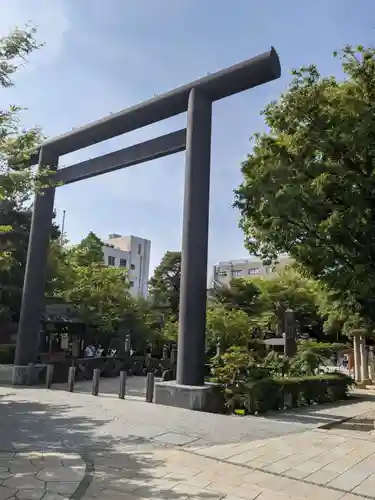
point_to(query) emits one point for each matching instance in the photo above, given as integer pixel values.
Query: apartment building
(133, 254)
(224, 272)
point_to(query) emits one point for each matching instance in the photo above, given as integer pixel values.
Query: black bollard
(71, 378)
(122, 390)
(150, 387)
(95, 381)
(49, 376)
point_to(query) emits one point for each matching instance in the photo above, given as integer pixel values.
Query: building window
(253, 271)
(132, 266)
(269, 270)
(122, 262)
(131, 284)
(236, 272)
(222, 273)
(139, 248)
(111, 260)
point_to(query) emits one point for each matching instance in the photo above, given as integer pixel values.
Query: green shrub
(281, 393)
(323, 349)
(233, 369)
(7, 354)
(258, 388)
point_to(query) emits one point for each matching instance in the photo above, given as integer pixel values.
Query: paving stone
(349, 480)
(23, 482)
(61, 474)
(322, 476)
(349, 496)
(110, 494)
(57, 487)
(367, 487)
(6, 492)
(47, 462)
(26, 469)
(34, 494)
(55, 496)
(196, 491)
(174, 438)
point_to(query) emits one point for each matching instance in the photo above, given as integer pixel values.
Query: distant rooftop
(250, 259)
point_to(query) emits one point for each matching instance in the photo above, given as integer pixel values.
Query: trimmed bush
(275, 383)
(270, 394)
(7, 354)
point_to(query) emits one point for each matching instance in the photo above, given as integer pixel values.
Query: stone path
(59, 446)
(30, 475)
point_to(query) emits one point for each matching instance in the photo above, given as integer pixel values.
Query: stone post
(357, 358)
(95, 381)
(371, 364)
(122, 390)
(165, 352)
(127, 345)
(290, 346)
(150, 384)
(218, 347)
(364, 360)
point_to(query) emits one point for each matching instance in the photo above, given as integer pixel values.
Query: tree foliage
(88, 251)
(289, 290)
(16, 143)
(165, 283)
(242, 294)
(228, 326)
(309, 186)
(17, 179)
(99, 293)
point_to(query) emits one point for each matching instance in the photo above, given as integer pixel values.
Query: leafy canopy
(309, 186)
(16, 144)
(165, 283)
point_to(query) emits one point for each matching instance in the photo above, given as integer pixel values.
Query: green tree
(170, 330)
(165, 283)
(144, 324)
(230, 326)
(100, 296)
(17, 180)
(16, 144)
(308, 185)
(16, 241)
(88, 251)
(289, 290)
(241, 294)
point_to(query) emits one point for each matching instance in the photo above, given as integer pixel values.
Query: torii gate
(196, 98)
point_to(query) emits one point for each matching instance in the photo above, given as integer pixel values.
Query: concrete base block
(207, 398)
(22, 375)
(363, 383)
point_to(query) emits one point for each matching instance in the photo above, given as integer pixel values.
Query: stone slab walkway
(30, 475)
(59, 446)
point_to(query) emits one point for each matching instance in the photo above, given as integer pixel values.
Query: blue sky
(103, 56)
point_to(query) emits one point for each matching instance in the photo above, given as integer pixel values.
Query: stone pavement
(59, 446)
(33, 475)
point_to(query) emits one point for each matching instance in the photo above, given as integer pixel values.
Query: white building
(224, 272)
(132, 253)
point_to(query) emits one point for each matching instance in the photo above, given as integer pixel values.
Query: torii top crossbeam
(229, 81)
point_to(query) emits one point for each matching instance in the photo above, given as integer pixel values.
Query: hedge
(7, 354)
(267, 394)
